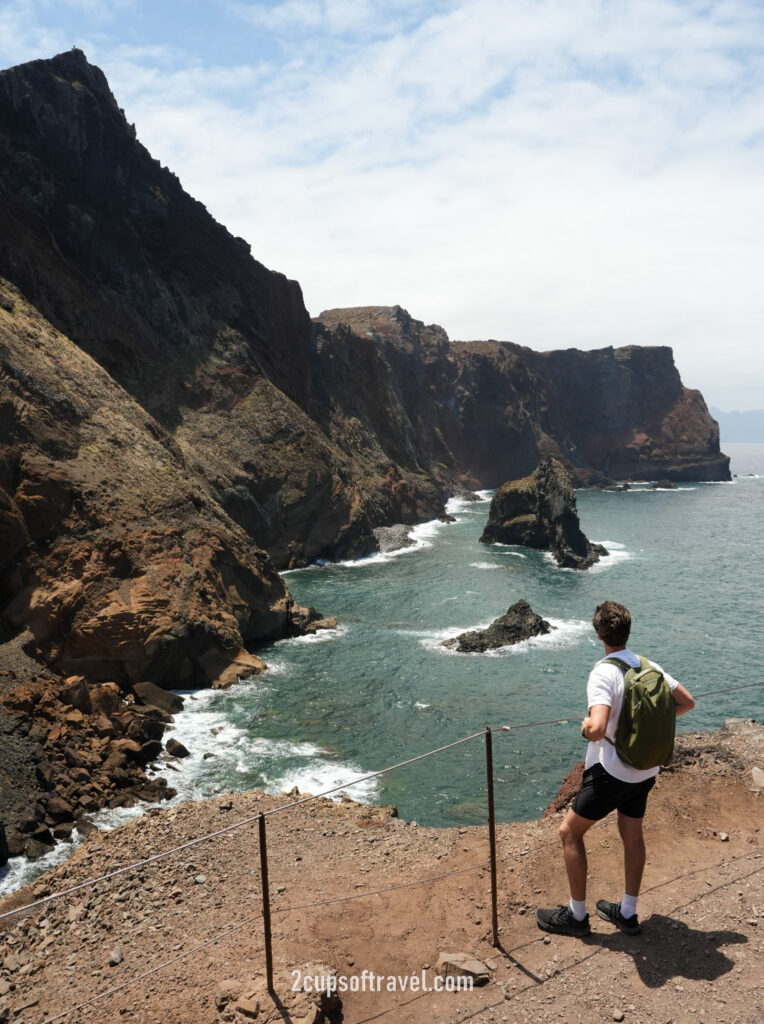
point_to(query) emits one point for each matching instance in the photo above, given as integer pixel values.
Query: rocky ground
(199, 912)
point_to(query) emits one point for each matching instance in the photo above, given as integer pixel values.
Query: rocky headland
(176, 429)
(518, 623)
(539, 511)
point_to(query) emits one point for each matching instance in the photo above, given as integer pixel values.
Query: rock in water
(393, 538)
(539, 511)
(519, 623)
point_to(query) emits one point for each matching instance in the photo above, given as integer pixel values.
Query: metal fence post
(492, 835)
(266, 903)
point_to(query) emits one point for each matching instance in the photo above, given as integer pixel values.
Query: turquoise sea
(380, 689)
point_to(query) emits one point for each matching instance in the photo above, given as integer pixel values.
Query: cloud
(364, 18)
(555, 172)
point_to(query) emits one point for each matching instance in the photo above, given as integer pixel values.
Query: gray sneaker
(612, 912)
(560, 921)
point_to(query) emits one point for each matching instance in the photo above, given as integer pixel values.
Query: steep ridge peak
(121, 259)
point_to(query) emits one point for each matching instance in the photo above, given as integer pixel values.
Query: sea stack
(539, 511)
(519, 623)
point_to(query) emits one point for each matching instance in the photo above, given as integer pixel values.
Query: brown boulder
(15, 842)
(58, 809)
(102, 727)
(155, 696)
(36, 848)
(77, 694)
(175, 748)
(143, 727)
(224, 669)
(106, 698)
(41, 834)
(25, 697)
(44, 774)
(150, 750)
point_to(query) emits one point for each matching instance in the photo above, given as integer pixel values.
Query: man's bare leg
(572, 832)
(633, 853)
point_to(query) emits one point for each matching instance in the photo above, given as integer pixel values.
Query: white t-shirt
(605, 686)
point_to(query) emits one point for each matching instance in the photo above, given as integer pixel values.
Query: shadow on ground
(667, 948)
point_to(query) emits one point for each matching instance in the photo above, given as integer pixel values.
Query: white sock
(628, 905)
(578, 909)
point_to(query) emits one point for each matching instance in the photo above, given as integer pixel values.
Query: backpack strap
(624, 667)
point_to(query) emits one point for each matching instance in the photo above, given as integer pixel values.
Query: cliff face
(485, 412)
(113, 554)
(297, 438)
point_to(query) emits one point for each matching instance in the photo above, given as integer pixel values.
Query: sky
(557, 173)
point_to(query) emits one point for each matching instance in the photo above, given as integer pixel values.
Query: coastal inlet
(382, 687)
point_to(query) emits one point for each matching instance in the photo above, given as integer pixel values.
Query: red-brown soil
(699, 957)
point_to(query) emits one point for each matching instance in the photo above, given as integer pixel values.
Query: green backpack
(645, 734)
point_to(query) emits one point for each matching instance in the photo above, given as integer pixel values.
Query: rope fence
(107, 876)
(261, 816)
(231, 929)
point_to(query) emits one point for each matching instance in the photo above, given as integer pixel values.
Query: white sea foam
(277, 668)
(19, 871)
(322, 636)
(258, 751)
(432, 640)
(507, 549)
(204, 728)
(421, 534)
(320, 775)
(454, 505)
(616, 553)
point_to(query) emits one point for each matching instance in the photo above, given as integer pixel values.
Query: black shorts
(601, 793)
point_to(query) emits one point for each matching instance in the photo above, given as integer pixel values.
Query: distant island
(740, 426)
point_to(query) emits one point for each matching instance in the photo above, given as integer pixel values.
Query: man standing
(608, 784)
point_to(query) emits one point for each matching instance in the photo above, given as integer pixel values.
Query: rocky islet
(539, 511)
(518, 623)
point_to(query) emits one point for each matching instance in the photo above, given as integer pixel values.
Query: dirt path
(699, 957)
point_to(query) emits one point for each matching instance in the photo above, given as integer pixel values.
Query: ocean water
(381, 689)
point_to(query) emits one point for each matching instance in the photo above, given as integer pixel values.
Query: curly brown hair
(612, 623)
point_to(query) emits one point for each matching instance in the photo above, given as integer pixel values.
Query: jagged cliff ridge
(490, 411)
(307, 435)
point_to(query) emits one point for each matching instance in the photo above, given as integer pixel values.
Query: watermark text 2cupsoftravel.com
(368, 981)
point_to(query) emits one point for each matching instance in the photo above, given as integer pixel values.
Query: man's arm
(594, 725)
(683, 699)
